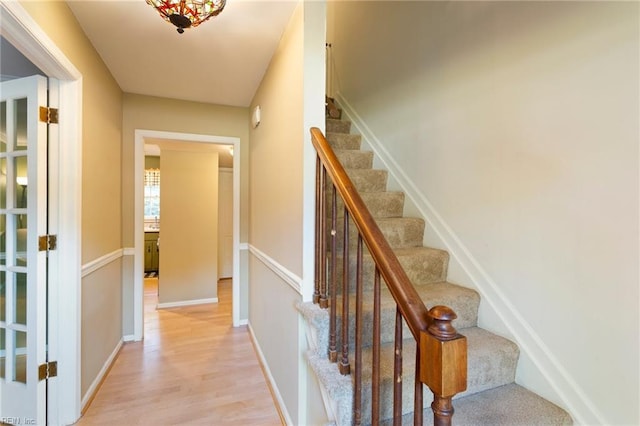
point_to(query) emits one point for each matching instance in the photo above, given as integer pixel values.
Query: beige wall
(276, 154)
(170, 115)
(275, 210)
(101, 328)
(101, 129)
(189, 227)
(101, 185)
(516, 123)
(281, 227)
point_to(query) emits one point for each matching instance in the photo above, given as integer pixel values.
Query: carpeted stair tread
(384, 204)
(338, 126)
(423, 265)
(354, 159)
(491, 360)
(344, 140)
(400, 232)
(462, 300)
(508, 405)
(380, 204)
(491, 363)
(368, 180)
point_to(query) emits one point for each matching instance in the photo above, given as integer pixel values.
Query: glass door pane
(23, 147)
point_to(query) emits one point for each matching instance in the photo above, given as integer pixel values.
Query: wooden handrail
(441, 353)
(411, 306)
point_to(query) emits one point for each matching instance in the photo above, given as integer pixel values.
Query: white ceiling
(222, 61)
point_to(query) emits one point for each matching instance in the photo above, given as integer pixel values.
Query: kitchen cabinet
(151, 251)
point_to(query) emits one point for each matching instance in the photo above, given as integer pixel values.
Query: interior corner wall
(275, 218)
(171, 115)
(518, 122)
(313, 410)
(189, 224)
(101, 186)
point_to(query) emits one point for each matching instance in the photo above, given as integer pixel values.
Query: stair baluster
(344, 361)
(324, 301)
(417, 392)
(358, 337)
(375, 356)
(397, 371)
(333, 284)
(318, 230)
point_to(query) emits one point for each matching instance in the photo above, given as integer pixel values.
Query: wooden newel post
(443, 363)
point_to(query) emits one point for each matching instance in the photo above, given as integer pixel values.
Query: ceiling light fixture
(187, 13)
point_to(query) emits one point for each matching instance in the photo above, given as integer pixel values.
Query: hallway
(192, 368)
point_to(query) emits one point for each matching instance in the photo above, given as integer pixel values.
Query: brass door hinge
(49, 115)
(47, 242)
(47, 370)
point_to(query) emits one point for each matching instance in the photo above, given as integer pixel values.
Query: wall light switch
(255, 118)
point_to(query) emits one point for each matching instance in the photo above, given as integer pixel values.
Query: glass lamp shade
(187, 13)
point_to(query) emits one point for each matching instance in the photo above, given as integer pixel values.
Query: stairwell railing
(441, 353)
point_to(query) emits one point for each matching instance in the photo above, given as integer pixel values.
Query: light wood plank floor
(193, 368)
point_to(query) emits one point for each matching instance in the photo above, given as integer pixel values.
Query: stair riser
(380, 204)
(431, 268)
(344, 141)
(425, 267)
(467, 317)
(352, 159)
(399, 233)
(338, 126)
(366, 180)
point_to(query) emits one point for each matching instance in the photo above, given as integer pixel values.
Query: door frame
(138, 261)
(65, 264)
(225, 171)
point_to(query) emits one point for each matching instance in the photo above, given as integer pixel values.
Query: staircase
(492, 397)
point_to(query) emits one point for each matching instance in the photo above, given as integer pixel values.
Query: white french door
(23, 218)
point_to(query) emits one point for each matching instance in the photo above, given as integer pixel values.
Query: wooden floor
(193, 368)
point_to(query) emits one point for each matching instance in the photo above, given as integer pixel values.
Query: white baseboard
(531, 345)
(129, 338)
(95, 385)
(187, 303)
(243, 322)
(272, 383)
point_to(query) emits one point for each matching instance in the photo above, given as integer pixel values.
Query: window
(152, 194)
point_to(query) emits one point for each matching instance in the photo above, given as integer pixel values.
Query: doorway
(138, 267)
